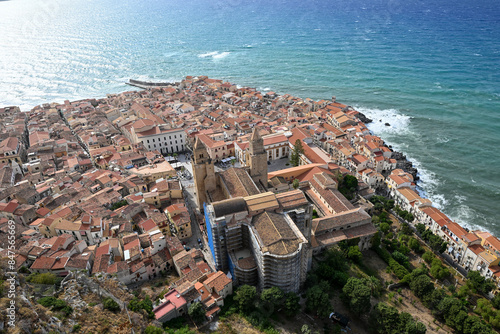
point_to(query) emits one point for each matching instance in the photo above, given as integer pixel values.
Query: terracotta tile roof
(291, 199)
(239, 183)
(343, 219)
(218, 281)
(476, 249)
(494, 242)
(337, 201)
(275, 234)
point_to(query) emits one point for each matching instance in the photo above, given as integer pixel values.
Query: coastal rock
(405, 165)
(362, 117)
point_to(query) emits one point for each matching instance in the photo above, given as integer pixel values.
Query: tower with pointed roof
(203, 172)
(258, 159)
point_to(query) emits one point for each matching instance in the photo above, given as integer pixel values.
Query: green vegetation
(478, 284)
(153, 330)
(272, 297)
(296, 184)
(356, 294)
(109, 304)
(296, 152)
(386, 319)
(292, 304)
(348, 185)
(487, 310)
(318, 299)
(137, 305)
(45, 278)
(56, 305)
(245, 297)
(404, 214)
(197, 312)
(118, 204)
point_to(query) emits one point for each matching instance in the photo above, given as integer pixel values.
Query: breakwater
(147, 84)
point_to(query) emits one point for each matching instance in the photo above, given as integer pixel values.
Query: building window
(148, 141)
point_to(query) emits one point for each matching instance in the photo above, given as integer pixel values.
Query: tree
(384, 227)
(401, 258)
(496, 301)
(420, 228)
(474, 325)
(153, 330)
(292, 304)
(196, 312)
(354, 254)
(348, 186)
(438, 270)
(374, 284)
(336, 260)
(245, 297)
(146, 304)
(109, 304)
(452, 311)
(318, 299)
(432, 300)
(389, 205)
(478, 283)
(356, 294)
(296, 152)
(421, 286)
(296, 184)
(384, 319)
(273, 297)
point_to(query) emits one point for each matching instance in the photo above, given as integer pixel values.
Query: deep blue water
(431, 69)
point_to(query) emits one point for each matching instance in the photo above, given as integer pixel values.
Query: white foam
(399, 123)
(442, 140)
(214, 55)
(209, 54)
(221, 55)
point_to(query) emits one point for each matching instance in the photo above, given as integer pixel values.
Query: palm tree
(374, 284)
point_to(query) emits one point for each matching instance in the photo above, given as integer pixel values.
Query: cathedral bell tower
(258, 159)
(203, 172)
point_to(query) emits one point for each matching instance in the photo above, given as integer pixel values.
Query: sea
(431, 69)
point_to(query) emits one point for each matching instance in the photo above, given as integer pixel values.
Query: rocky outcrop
(363, 118)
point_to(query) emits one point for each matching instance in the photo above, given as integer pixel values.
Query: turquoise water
(431, 70)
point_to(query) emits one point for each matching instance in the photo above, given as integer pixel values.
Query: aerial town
(222, 185)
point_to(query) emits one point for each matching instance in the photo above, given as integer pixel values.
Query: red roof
(42, 212)
(173, 300)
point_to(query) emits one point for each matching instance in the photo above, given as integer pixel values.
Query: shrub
(109, 304)
(397, 269)
(428, 257)
(401, 258)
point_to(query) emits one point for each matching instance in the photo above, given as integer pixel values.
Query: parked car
(342, 320)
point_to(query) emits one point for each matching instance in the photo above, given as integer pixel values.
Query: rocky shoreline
(402, 161)
(362, 117)
(405, 165)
